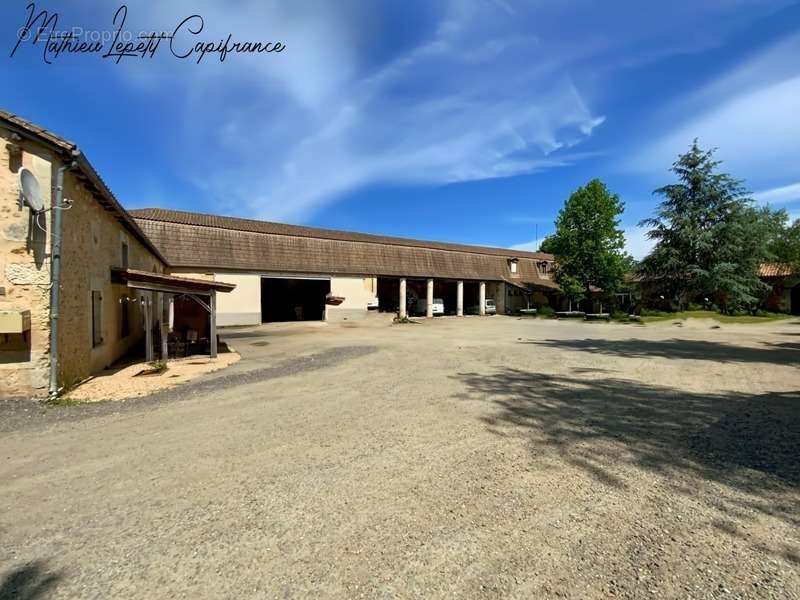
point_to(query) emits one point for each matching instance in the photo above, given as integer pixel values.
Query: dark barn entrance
(293, 299)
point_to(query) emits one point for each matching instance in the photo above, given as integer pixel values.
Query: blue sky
(460, 120)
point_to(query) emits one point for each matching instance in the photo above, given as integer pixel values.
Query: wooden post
(148, 327)
(460, 299)
(212, 318)
(165, 326)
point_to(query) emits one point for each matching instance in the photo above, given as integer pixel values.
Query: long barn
(288, 272)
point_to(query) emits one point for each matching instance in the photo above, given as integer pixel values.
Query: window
(125, 324)
(544, 268)
(97, 318)
(512, 265)
(124, 255)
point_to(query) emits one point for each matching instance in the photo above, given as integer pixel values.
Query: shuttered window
(97, 318)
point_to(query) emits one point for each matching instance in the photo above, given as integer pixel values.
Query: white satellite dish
(29, 187)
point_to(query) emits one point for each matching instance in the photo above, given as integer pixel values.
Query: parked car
(422, 306)
(490, 306)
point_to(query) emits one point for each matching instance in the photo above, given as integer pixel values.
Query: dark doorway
(795, 300)
(293, 299)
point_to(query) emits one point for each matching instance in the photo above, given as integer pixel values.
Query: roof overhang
(159, 282)
(544, 285)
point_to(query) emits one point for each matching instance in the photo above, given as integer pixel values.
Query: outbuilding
(289, 273)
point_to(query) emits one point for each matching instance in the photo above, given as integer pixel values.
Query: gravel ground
(483, 457)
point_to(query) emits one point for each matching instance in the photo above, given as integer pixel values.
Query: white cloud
(749, 114)
(466, 90)
(532, 246)
(779, 195)
(637, 244)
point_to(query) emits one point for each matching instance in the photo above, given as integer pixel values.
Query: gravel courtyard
(475, 457)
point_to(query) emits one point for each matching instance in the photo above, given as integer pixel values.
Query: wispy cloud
(481, 89)
(749, 114)
(779, 195)
(532, 246)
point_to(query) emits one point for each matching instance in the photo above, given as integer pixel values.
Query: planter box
(15, 321)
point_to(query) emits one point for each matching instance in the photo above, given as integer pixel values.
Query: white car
(490, 308)
(438, 306)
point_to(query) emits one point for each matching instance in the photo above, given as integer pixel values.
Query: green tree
(784, 244)
(547, 245)
(588, 242)
(710, 240)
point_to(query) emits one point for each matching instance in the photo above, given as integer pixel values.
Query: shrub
(545, 311)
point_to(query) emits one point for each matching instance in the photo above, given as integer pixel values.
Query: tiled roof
(253, 226)
(775, 270)
(208, 242)
(85, 170)
(182, 283)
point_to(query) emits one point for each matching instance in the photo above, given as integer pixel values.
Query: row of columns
(403, 313)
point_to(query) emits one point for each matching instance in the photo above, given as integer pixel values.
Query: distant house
(785, 282)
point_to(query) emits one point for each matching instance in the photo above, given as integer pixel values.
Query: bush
(545, 311)
(650, 312)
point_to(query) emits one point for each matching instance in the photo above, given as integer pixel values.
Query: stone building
(148, 279)
(101, 312)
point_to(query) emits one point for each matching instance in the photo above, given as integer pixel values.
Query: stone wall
(92, 244)
(24, 270)
(92, 241)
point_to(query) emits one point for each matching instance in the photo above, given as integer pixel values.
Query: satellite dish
(29, 187)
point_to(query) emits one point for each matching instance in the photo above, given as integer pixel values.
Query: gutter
(55, 272)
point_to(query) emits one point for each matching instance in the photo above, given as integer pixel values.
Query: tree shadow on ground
(748, 445)
(29, 582)
(784, 354)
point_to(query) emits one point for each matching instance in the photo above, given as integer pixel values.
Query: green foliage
(652, 316)
(784, 242)
(545, 311)
(710, 239)
(547, 245)
(588, 242)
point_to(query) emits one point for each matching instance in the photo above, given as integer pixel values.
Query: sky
(458, 120)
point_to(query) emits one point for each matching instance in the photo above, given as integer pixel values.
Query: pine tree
(710, 240)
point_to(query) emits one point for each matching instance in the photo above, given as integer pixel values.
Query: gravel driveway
(481, 457)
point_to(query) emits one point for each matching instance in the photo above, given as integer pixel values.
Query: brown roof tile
(192, 240)
(775, 270)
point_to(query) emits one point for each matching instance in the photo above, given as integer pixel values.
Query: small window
(124, 255)
(125, 323)
(513, 267)
(97, 319)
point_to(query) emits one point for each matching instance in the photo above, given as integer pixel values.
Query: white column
(460, 299)
(482, 299)
(429, 311)
(403, 313)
